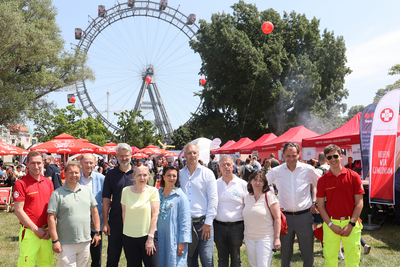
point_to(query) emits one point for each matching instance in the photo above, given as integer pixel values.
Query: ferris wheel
(139, 52)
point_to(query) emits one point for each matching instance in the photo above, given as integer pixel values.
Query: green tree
(181, 137)
(289, 77)
(381, 92)
(135, 130)
(394, 70)
(33, 62)
(353, 111)
(49, 124)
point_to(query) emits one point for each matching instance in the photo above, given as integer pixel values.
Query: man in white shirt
(229, 224)
(200, 187)
(293, 180)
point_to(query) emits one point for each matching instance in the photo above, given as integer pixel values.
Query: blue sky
(370, 30)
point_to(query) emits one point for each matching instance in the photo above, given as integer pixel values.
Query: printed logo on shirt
(32, 193)
(235, 194)
(16, 194)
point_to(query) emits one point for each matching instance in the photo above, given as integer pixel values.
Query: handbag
(284, 224)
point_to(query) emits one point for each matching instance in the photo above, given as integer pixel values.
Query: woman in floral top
(174, 223)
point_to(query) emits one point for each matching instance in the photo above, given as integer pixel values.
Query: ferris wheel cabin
(78, 33)
(131, 3)
(102, 11)
(163, 4)
(191, 19)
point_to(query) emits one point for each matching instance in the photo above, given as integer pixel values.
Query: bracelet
(152, 236)
(54, 241)
(330, 224)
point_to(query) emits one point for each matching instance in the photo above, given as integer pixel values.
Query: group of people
(179, 223)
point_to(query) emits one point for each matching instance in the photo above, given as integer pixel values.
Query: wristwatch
(352, 224)
(97, 232)
(54, 241)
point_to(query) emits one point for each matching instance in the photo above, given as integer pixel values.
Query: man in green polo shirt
(72, 205)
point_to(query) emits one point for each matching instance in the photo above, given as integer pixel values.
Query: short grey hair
(87, 154)
(226, 157)
(123, 146)
(190, 144)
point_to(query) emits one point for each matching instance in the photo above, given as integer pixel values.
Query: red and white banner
(383, 149)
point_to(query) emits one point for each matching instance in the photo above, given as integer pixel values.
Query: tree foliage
(135, 130)
(33, 62)
(49, 124)
(394, 70)
(293, 76)
(353, 111)
(381, 92)
(181, 137)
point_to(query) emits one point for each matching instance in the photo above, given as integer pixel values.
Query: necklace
(257, 197)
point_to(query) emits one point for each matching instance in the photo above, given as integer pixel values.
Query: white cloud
(373, 59)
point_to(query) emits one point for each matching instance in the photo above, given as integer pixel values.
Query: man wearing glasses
(293, 180)
(342, 224)
(116, 179)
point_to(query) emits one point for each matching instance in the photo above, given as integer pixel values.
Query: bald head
(87, 162)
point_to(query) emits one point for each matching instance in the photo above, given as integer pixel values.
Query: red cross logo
(387, 115)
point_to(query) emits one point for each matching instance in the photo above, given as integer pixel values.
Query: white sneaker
(340, 256)
(367, 249)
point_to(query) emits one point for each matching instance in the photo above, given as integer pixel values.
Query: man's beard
(124, 164)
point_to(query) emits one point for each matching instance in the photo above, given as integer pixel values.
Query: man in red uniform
(343, 191)
(31, 198)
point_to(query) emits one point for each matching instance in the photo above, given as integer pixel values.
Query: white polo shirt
(231, 199)
(294, 187)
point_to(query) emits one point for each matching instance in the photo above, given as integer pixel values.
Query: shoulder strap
(266, 200)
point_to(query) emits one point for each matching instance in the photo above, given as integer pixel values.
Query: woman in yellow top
(140, 207)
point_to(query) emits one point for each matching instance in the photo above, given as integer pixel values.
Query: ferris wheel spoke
(122, 55)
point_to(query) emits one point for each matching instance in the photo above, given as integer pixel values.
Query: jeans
(95, 252)
(204, 249)
(228, 239)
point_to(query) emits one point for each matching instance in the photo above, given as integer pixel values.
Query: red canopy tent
(251, 147)
(6, 149)
(109, 149)
(140, 155)
(293, 135)
(236, 146)
(225, 146)
(347, 134)
(65, 144)
(152, 150)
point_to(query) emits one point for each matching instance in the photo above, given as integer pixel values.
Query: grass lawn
(385, 245)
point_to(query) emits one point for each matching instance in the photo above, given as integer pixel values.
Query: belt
(199, 220)
(228, 223)
(295, 212)
(342, 218)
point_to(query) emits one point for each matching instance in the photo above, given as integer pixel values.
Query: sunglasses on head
(330, 157)
(140, 164)
(291, 144)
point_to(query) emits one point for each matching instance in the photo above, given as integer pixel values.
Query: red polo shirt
(339, 192)
(36, 195)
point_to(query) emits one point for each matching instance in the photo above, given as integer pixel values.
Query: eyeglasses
(336, 156)
(291, 144)
(140, 164)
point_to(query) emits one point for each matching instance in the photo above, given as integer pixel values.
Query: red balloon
(73, 99)
(267, 27)
(148, 79)
(202, 81)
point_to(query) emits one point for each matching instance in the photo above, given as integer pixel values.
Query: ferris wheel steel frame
(114, 14)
